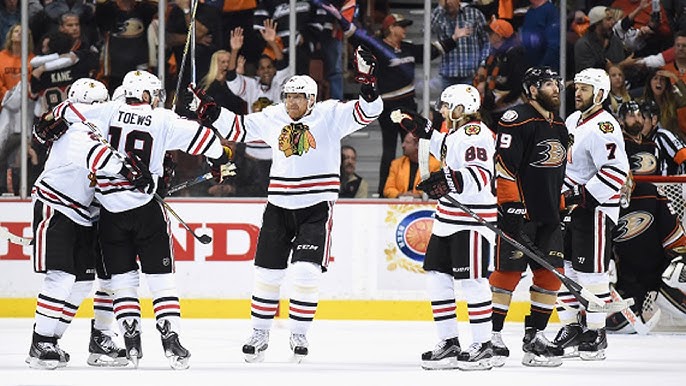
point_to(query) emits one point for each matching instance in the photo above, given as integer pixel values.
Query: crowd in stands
(241, 60)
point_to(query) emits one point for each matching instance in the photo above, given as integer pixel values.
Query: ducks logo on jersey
(296, 139)
(553, 154)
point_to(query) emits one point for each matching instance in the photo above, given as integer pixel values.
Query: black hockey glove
(48, 129)
(164, 183)
(441, 182)
(413, 123)
(202, 104)
(511, 218)
(365, 65)
(579, 196)
(218, 166)
(135, 170)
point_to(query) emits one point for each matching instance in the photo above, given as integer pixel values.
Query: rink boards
(375, 271)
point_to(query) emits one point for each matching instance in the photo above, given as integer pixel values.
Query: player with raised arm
(597, 167)
(530, 170)
(65, 246)
(133, 222)
(305, 137)
(459, 248)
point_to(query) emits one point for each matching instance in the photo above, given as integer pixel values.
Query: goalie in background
(649, 245)
(460, 247)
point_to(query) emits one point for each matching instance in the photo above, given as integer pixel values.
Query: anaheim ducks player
(597, 167)
(65, 246)
(643, 154)
(530, 163)
(133, 225)
(305, 137)
(460, 248)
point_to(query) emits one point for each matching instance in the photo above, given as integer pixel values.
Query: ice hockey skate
(443, 356)
(299, 346)
(476, 357)
(568, 338)
(255, 347)
(64, 356)
(132, 341)
(500, 351)
(104, 351)
(593, 345)
(43, 354)
(539, 351)
(177, 354)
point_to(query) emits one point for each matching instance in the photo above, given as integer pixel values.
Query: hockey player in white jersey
(65, 246)
(460, 248)
(304, 182)
(597, 167)
(132, 223)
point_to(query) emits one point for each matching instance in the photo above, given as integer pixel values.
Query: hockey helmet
(87, 90)
(137, 82)
(650, 107)
(301, 84)
(460, 95)
(626, 108)
(597, 78)
(119, 94)
(536, 76)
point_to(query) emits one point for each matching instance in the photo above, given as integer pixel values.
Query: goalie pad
(675, 274)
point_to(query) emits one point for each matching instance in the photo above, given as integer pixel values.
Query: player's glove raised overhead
(441, 182)
(202, 104)
(413, 123)
(49, 129)
(135, 170)
(579, 196)
(222, 167)
(365, 65)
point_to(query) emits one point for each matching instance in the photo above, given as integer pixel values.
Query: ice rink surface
(351, 353)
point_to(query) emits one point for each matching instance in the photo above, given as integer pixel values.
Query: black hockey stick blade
(591, 302)
(204, 239)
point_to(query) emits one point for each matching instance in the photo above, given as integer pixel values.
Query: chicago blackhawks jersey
(530, 162)
(144, 131)
(596, 158)
(645, 231)
(644, 156)
(68, 179)
(306, 154)
(467, 150)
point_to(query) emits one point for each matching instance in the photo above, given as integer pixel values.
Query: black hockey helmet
(626, 108)
(650, 108)
(535, 76)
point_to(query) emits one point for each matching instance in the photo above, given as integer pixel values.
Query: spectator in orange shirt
(398, 183)
(678, 69)
(10, 59)
(661, 32)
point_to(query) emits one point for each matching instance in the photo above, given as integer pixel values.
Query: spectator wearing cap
(395, 75)
(540, 34)
(460, 65)
(500, 80)
(599, 45)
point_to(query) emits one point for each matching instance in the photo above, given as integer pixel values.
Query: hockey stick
(226, 172)
(14, 239)
(641, 327)
(191, 29)
(204, 239)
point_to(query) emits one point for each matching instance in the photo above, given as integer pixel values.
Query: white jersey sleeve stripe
(93, 166)
(201, 142)
(360, 116)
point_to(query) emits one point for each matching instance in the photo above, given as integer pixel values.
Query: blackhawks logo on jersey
(472, 129)
(296, 139)
(606, 127)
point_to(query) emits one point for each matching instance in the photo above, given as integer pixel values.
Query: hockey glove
(222, 167)
(579, 196)
(49, 129)
(169, 167)
(202, 104)
(413, 123)
(511, 218)
(365, 65)
(442, 182)
(135, 170)
(675, 274)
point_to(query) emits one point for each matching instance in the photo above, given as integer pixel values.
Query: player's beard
(634, 129)
(548, 102)
(586, 105)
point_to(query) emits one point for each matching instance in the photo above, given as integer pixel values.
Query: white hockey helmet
(87, 90)
(597, 78)
(137, 82)
(460, 94)
(119, 94)
(301, 84)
